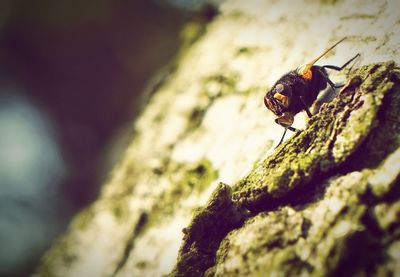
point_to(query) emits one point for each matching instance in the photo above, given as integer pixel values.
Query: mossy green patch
(221, 84)
(327, 236)
(83, 219)
(213, 87)
(185, 180)
(205, 232)
(312, 201)
(197, 26)
(331, 137)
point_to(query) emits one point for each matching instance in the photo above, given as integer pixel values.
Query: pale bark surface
(324, 202)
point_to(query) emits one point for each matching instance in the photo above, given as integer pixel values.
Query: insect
(297, 90)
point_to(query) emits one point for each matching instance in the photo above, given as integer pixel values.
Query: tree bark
(325, 202)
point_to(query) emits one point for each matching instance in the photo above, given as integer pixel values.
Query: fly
(297, 90)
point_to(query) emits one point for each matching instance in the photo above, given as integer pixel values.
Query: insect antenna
(310, 64)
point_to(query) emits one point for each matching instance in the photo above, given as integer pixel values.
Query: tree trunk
(325, 202)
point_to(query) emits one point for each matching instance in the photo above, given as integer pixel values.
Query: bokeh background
(72, 79)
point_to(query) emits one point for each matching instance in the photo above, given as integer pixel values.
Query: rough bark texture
(325, 202)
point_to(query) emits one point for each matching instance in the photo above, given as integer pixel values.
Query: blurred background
(72, 77)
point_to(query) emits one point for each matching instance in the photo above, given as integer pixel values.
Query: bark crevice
(299, 188)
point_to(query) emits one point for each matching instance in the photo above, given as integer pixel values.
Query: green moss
(360, 16)
(213, 87)
(196, 118)
(84, 218)
(387, 216)
(194, 30)
(185, 180)
(205, 232)
(64, 253)
(368, 39)
(327, 236)
(330, 213)
(330, 2)
(197, 25)
(331, 137)
(191, 32)
(199, 175)
(221, 84)
(246, 50)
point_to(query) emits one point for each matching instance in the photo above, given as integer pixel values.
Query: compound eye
(283, 99)
(279, 88)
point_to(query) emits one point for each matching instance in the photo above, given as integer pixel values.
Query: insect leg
(323, 72)
(284, 133)
(337, 68)
(333, 85)
(305, 107)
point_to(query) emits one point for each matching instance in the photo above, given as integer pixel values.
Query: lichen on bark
(203, 235)
(314, 205)
(329, 187)
(332, 136)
